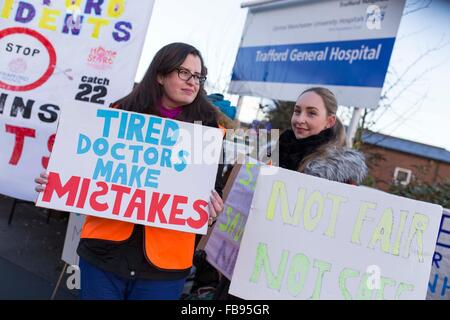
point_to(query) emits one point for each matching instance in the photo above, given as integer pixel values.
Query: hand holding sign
(215, 206)
(41, 181)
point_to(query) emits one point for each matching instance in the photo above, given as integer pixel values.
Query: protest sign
(310, 238)
(223, 244)
(74, 226)
(133, 167)
(439, 284)
(52, 54)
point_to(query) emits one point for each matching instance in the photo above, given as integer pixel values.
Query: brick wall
(382, 163)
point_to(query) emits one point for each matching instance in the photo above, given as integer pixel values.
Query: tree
(279, 114)
(437, 193)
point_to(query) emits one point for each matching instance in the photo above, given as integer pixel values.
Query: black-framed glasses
(186, 75)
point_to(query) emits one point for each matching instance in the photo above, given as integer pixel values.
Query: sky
(421, 113)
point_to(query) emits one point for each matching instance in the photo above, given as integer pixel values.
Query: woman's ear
(331, 120)
(160, 79)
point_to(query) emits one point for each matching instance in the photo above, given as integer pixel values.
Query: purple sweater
(170, 113)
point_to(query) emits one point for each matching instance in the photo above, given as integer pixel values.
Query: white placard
(439, 285)
(133, 167)
(74, 226)
(310, 238)
(54, 53)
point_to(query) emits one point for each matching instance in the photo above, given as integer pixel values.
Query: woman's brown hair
(146, 96)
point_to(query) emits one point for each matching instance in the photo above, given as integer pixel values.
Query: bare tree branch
(438, 47)
(414, 6)
(415, 33)
(408, 114)
(371, 117)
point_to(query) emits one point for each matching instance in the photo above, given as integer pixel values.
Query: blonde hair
(338, 136)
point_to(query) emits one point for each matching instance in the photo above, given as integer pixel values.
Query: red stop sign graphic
(51, 53)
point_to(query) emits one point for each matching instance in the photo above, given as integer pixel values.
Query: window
(402, 176)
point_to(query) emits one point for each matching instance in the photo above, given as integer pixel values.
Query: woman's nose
(300, 119)
(191, 81)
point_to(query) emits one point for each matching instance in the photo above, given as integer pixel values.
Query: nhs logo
(374, 17)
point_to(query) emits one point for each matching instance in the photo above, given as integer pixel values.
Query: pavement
(30, 252)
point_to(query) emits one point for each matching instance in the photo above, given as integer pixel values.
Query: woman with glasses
(120, 260)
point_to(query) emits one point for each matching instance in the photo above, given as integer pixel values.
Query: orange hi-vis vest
(164, 248)
(224, 130)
